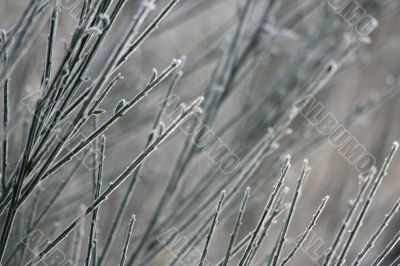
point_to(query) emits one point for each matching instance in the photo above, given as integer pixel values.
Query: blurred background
(278, 55)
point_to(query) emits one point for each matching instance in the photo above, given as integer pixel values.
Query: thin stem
(237, 226)
(306, 232)
(127, 241)
(387, 249)
(212, 229)
(349, 217)
(91, 252)
(4, 138)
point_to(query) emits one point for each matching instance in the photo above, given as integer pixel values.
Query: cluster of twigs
(72, 100)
